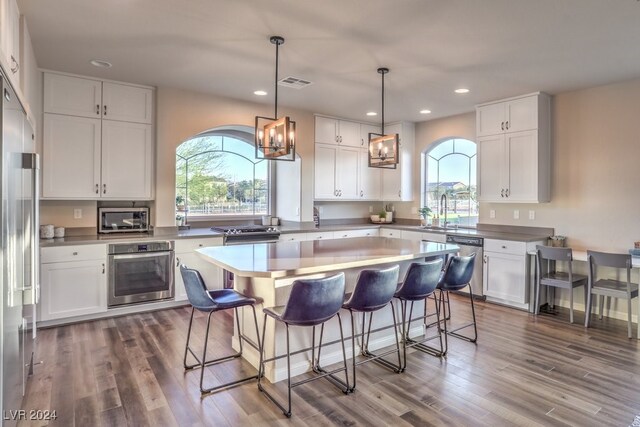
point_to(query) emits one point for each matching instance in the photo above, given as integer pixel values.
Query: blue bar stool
(419, 284)
(311, 303)
(373, 291)
(207, 301)
(457, 275)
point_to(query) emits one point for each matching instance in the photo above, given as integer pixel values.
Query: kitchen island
(266, 271)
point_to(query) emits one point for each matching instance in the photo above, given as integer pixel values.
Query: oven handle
(142, 255)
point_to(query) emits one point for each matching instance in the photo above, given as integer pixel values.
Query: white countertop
(286, 259)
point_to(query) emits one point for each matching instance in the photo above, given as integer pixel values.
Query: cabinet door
(13, 42)
(365, 130)
(211, 273)
(504, 277)
(490, 119)
(491, 168)
(72, 289)
(392, 184)
(326, 130)
(127, 103)
(349, 134)
(388, 232)
(416, 236)
(126, 160)
(73, 96)
(521, 114)
(71, 157)
(522, 152)
(369, 179)
(347, 164)
(293, 237)
(325, 171)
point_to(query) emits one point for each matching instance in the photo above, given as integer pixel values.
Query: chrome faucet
(443, 208)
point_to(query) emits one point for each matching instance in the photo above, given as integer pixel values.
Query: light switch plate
(492, 213)
(516, 214)
(77, 213)
(532, 215)
(370, 209)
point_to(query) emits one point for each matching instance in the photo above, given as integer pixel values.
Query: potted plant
(179, 202)
(425, 213)
(179, 220)
(382, 215)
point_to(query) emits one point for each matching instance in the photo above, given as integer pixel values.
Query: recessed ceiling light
(372, 113)
(425, 111)
(260, 93)
(100, 63)
(461, 90)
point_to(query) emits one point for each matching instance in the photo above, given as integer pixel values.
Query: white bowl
(375, 218)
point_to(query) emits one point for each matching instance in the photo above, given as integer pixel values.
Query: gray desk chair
(312, 302)
(207, 301)
(623, 289)
(554, 278)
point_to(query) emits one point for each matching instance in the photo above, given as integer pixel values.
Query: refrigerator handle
(31, 161)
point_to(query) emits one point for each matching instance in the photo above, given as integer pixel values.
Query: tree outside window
(217, 174)
(450, 168)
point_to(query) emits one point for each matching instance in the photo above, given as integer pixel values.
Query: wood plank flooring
(524, 370)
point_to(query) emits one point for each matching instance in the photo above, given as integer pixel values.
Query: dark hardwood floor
(525, 370)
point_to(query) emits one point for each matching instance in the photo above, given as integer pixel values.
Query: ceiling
(496, 48)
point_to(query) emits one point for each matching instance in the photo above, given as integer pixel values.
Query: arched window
(217, 174)
(450, 168)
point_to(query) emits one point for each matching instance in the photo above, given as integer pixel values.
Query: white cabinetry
(336, 172)
(98, 141)
(293, 237)
(420, 235)
(186, 255)
(514, 155)
(390, 232)
(338, 132)
(347, 234)
(506, 272)
(10, 39)
(397, 183)
(73, 281)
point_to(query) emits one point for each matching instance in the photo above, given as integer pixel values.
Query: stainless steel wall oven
(140, 272)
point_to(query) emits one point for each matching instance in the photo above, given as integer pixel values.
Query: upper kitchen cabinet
(97, 139)
(336, 173)
(337, 132)
(514, 163)
(513, 115)
(397, 183)
(10, 39)
(86, 97)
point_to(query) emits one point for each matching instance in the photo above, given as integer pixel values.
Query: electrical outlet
(77, 213)
(370, 209)
(492, 214)
(532, 215)
(516, 214)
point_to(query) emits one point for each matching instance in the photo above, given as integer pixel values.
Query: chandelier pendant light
(383, 148)
(275, 137)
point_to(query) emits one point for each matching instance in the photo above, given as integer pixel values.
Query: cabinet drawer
(387, 232)
(183, 246)
(322, 235)
(293, 237)
(345, 234)
(505, 246)
(73, 253)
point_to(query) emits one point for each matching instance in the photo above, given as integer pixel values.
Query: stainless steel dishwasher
(469, 245)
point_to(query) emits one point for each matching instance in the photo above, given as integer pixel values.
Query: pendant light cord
(382, 127)
(275, 114)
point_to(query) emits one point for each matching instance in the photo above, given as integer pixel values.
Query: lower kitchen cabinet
(186, 255)
(506, 272)
(389, 232)
(73, 288)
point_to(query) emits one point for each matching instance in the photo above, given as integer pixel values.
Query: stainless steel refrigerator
(19, 259)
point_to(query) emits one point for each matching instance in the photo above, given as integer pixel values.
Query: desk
(266, 271)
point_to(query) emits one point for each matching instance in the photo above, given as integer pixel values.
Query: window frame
(243, 134)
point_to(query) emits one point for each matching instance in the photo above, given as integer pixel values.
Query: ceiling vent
(294, 82)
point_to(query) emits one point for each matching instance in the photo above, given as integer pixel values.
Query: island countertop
(286, 259)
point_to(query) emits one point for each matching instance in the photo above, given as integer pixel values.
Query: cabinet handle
(319, 237)
(177, 262)
(504, 247)
(105, 110)
(340, 193)
(502, 193)
(17, 66)
(361, 193)
(399, 193)
(361, 141)
(506, 192)
(98, 109)
(340, 139)
(502, 125)
(75, 253)
(335, 193)
(336, 138)
(507, 124)
(97, 188)
(484, 259)
(103, 269)
(104, 188)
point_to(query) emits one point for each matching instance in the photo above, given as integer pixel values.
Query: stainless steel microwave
(123, 220)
